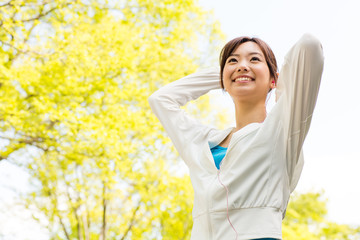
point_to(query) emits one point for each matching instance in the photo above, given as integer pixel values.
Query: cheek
(227, 73)
(226, 76)
(264, 72)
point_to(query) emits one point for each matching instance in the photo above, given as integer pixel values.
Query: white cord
(227, 205)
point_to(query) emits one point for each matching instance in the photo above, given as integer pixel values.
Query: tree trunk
(103, 227)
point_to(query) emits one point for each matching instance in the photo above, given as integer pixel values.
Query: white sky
(332, 148)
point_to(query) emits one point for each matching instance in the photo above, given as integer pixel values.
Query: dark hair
(231, 46)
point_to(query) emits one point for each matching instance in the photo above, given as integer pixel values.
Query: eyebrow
(252, 53)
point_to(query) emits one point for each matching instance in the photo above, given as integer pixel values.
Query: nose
(242, 67)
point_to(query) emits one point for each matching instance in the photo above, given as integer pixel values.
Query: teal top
(218, 153)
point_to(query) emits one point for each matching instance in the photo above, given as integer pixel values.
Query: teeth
(243, 79)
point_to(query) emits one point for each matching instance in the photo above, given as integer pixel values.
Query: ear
(272, 83)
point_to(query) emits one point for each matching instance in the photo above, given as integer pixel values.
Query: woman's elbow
(311, 45)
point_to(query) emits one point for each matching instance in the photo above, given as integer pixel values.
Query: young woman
(243, 176)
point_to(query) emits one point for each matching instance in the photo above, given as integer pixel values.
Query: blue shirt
(218, 153)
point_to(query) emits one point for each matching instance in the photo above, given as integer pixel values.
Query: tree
(306, 220)
(74, 82)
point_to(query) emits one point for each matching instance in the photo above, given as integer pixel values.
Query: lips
(243, 79)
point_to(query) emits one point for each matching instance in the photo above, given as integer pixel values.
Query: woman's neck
(246, 113)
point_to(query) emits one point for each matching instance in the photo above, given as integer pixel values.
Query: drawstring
(227, 205)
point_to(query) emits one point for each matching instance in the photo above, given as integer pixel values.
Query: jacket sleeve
(297, 91)
(166, 103)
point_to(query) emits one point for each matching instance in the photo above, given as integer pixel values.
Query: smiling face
(246, 75)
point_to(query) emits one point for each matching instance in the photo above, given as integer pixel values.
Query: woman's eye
(255, 59)
(232, 60)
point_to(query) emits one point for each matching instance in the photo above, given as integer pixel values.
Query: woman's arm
(166, 103)
(297, 90)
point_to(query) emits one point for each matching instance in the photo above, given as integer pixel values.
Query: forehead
(247, 48)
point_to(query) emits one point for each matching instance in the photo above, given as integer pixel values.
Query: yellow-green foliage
(74, 81)
(306, 220)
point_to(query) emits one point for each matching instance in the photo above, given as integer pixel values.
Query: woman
(243, 176)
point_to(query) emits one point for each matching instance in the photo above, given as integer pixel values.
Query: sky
(332, 147)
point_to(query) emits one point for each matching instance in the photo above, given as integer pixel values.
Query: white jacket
(263, 162)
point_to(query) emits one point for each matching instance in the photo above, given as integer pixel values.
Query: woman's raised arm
(166, 103)
(297, 90)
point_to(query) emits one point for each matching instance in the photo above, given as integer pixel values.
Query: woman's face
(246, 74)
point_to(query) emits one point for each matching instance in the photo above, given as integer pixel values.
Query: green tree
(74, 82)
(306, 220)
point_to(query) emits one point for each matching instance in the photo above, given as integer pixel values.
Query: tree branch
(103, 227)
(6, 4)
(64, 228)
(86, 221)
(31, 141)
(12, 46)
(41, 15)
(54, 198)
(75, 209)
(19, 50)
(8, 31)
(131, 222)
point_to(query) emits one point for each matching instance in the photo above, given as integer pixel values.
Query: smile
(243, 79)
